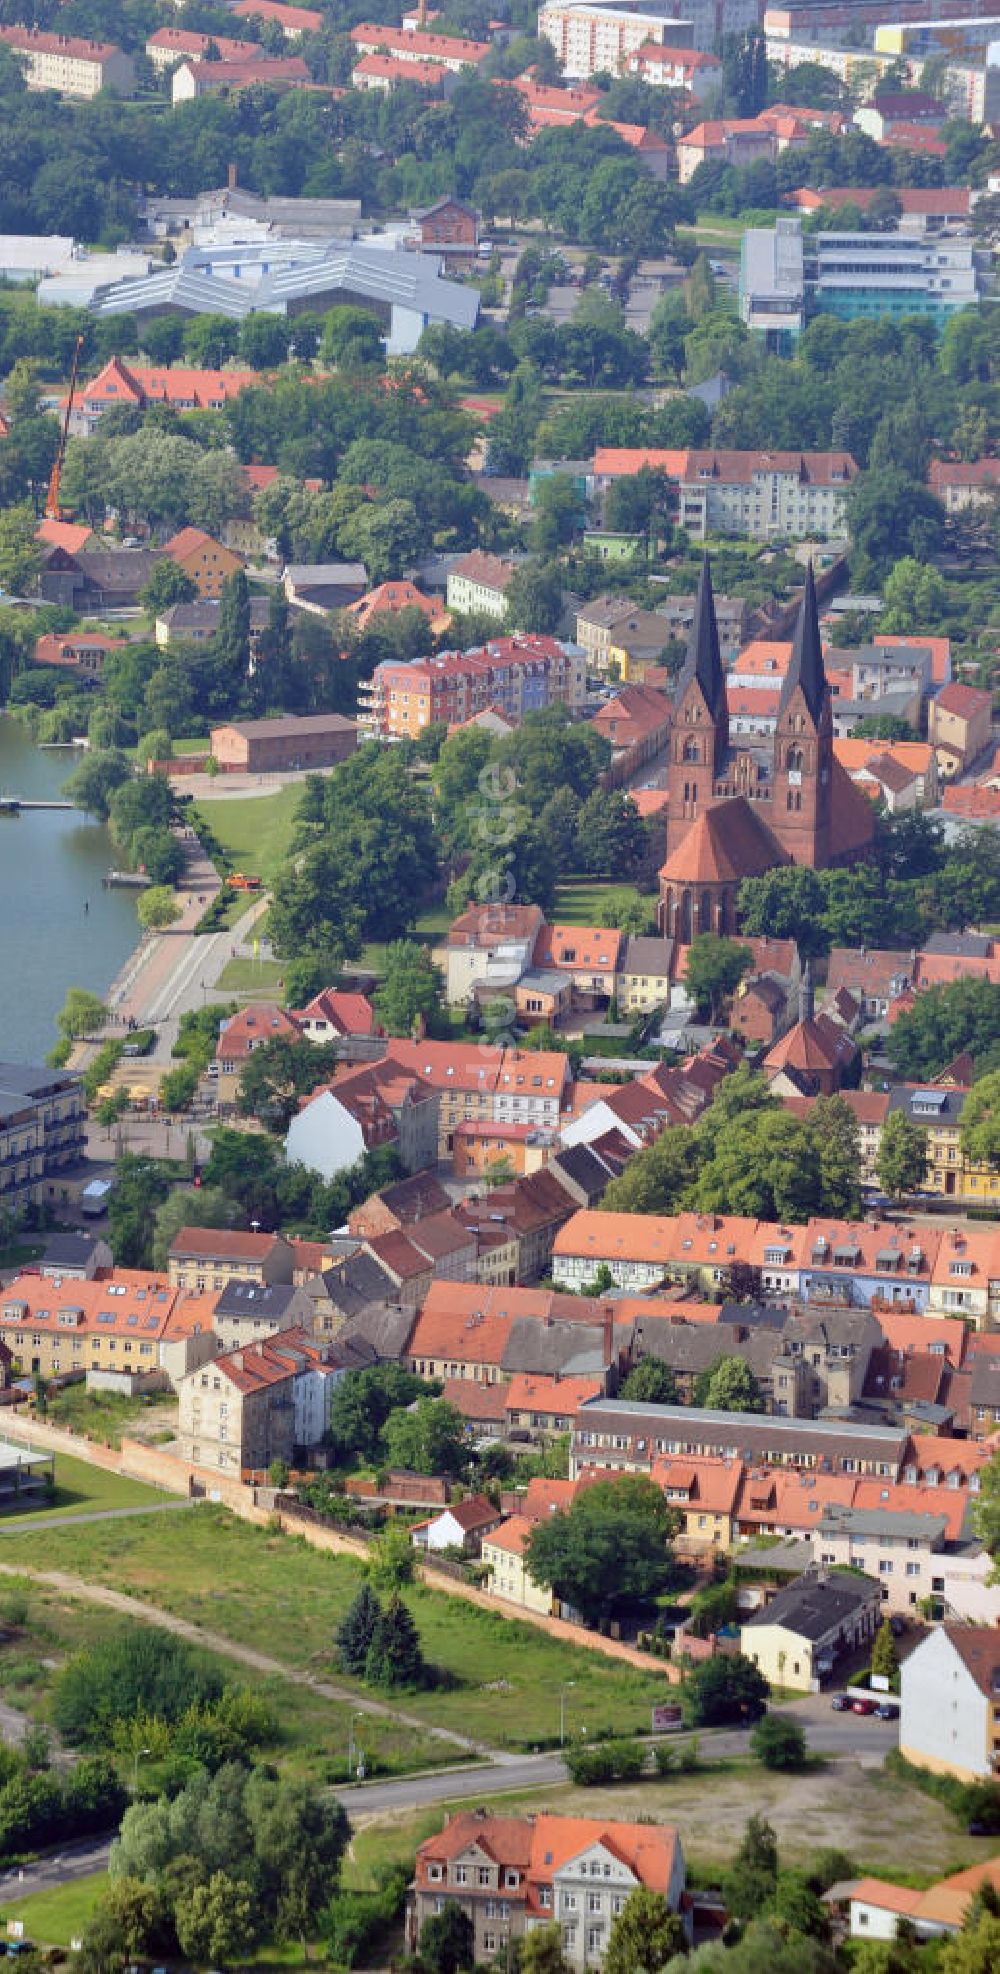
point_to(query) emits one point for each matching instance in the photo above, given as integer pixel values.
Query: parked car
(862, 1706)
(897, 1625)
(887, 1710)
(840, 1703)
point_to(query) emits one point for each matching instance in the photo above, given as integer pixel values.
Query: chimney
(806, 994)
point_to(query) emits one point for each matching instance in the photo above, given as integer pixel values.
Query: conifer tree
(355, 1633)
(394, 1655)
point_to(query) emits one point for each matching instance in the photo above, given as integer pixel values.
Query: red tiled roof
(727, 843)
(964, 700)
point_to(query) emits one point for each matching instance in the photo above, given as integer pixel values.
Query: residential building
(489, 946)
(450, 228)
(141, 386)
(462, 1525)
(964, 483)
(169, 45)
(950, 1703)
(247, 1312)
(617, 1435)
(797, 1639)
(923, 208)
(645, 968)
(503, 1553)
(477, 584)
(287, 743)
(387, 72)
(388, 599)
(320, 587)
(752, 494)
(130, 1322)
(903, 1549)
(509, 1874)
(692, 70)
(203, 1258)
(589, 954)
(407, 45)
(381, 1103)
(258, 1404)
(194, 79)
(75, 1257)
(959, 726)
(83, 652)
(42, 1134)
(511, 676)
(205, 561)
(197, 622)
(69, 64)
(877, 1907)
(293, 21)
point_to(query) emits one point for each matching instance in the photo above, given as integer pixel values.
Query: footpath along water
(51, 865)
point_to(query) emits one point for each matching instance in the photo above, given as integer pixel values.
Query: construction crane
(53, 511)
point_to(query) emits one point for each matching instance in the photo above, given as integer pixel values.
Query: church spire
(806, 667)
(703, 661)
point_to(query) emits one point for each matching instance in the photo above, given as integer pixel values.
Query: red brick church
(736, 811)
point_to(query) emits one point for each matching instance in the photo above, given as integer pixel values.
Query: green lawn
(250, 976)
(580, 901)
(82, 1490)
(254, 830)
(192, 744)
(503, 1677)
(55, 1918)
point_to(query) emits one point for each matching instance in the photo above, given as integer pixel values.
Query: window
(461, 1875)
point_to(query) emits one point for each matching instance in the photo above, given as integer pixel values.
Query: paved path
(59, 1868)
(247, 1655)
(94, 1515)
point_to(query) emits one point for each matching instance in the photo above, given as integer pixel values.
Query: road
(840, 1735)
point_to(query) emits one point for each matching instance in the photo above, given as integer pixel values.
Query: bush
(612, 1761)
(136, 1671)
(778, 1742)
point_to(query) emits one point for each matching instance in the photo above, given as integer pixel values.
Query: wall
(943, 1714)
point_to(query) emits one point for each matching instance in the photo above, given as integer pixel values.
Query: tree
(357, 1629)
(834, 1135)
(82, 1014)
(611, 836)
(724, 1690)
(140, 1186)
(408, 997)
(157, 908)
(657, 1178)
(93, 782)
(885, 1658)
(975, 1950)
(215, 1920)
(129, 1919)
(20, 555)
(168, 584)
(186, 1207)
(428, 1438)
(610, 1548)
(728, 1385)
(644, 1934)
(541, 1951)
(778, 1742)
(652, 1383)
(447, 1941)
(889, 516)
(943, 1021)
(901, 1163)
(787, 903)
(533, 597)
(275, 1076)
(394, 1655)
(362, 1401)
(980, 1126)
(715, 967)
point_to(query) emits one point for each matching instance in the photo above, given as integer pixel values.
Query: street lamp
(563, 1690)
(353, 1749)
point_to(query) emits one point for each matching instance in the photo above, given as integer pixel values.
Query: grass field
(580, 901)
(81, 1489)
(254, 830)
(502, 1678)
(314, 1732)
(55, 1918)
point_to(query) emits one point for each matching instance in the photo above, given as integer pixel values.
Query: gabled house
(950, 1703)
(462, 1525)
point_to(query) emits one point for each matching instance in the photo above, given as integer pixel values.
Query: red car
(862, 1706)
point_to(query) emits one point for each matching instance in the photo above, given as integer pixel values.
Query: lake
(51, 863)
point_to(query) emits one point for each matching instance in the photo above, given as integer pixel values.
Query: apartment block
(69, 64)
(514, 675)
(42, 1120)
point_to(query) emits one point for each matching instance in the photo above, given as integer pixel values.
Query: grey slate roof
(568, 1349)
(69, 1250)
(388, 276)
(816, 1605)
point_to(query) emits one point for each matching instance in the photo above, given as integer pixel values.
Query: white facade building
(949, 1693)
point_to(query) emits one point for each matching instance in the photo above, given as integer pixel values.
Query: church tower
(803, 745)
(699, 732)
